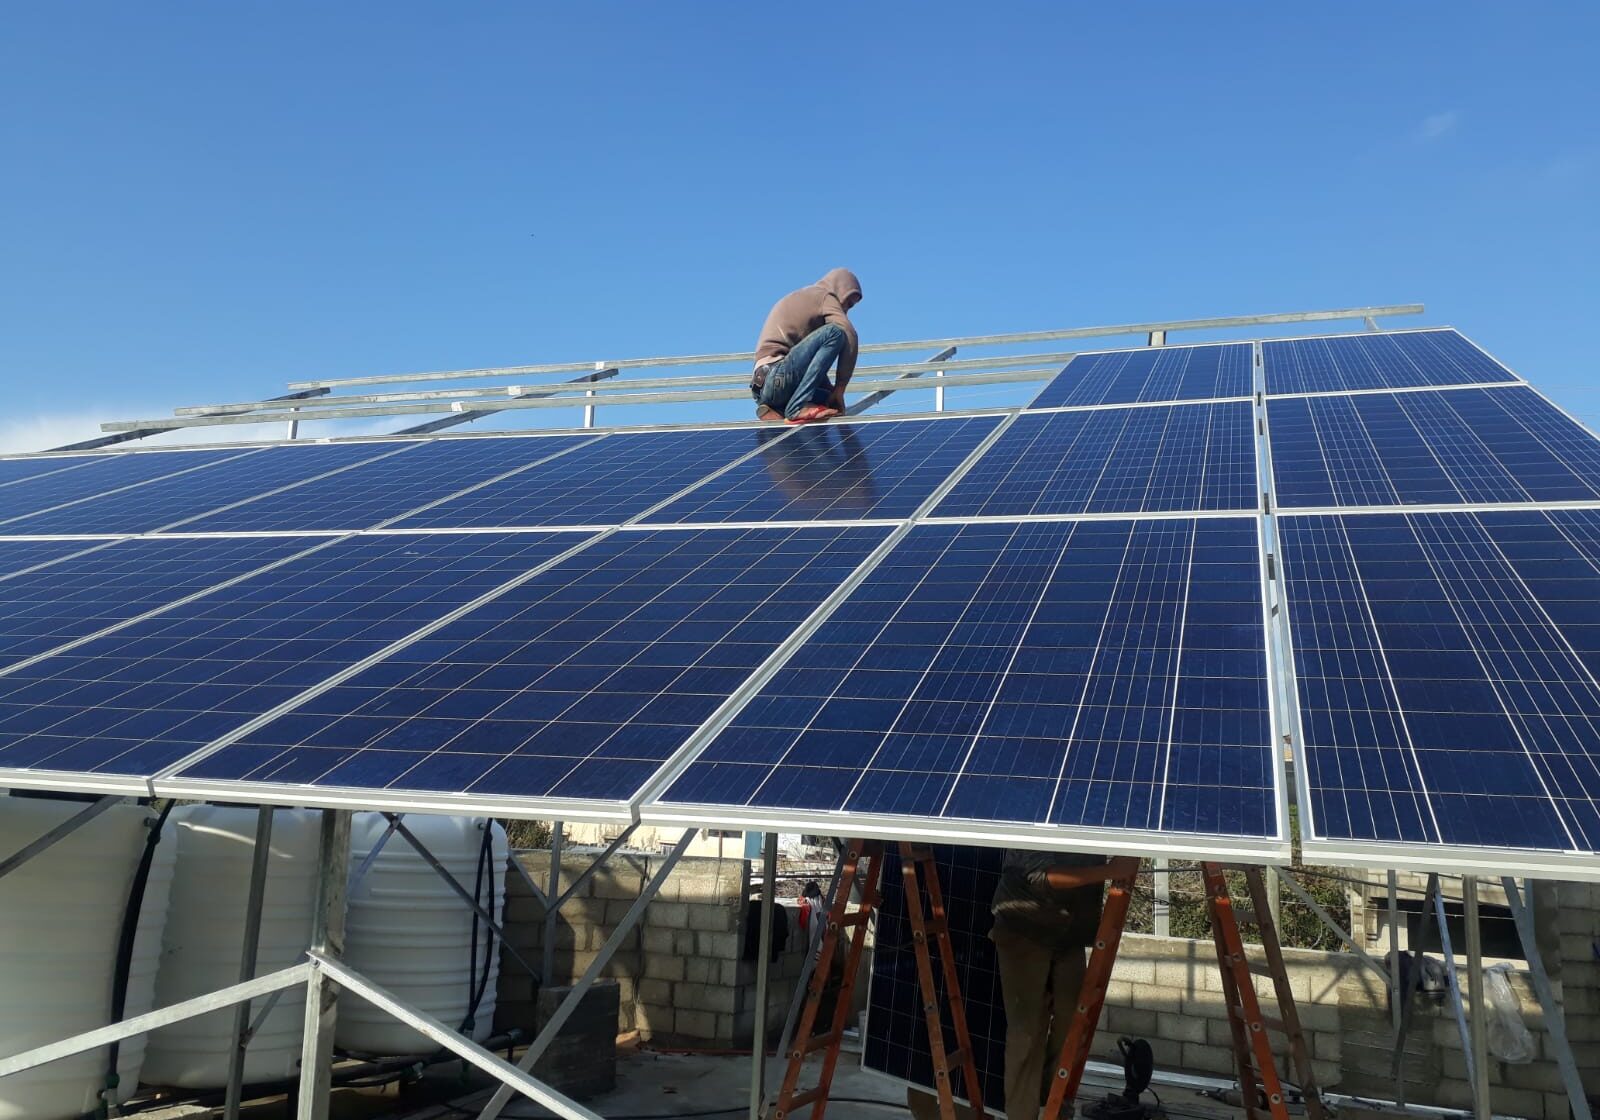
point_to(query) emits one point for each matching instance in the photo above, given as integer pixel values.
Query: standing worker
(805, 333)
(1041, 936)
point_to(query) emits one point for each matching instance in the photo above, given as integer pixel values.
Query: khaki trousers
(1040, 988)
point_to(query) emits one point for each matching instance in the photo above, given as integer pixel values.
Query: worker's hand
(836, 399)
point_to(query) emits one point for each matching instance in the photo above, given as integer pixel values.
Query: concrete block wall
(679, 976)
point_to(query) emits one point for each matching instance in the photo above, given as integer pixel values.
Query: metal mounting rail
(887, 347)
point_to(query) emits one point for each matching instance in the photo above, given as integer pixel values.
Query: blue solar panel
(1100, 674)
(577, 684)
(1122, 460)
(78, 596)
(837, 471)
(1446, 667)
(896, 1042)
(110, 473)
(1152, 373)
(19, 555)
(380, 491)
(145, 697)
(602, 483)
(1446, 446)
(1377, 361)
(18, 470)
(182, 497)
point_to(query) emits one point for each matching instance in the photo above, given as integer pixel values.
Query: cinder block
(653, 990)
(1153, 997)
(699, 970)
(1543, 1076)
(723, 946)
(1218, 1033)
(695, 1024)
(706, 997)
(1327, 1045)
(1318, 1017)
(1134, 971)
(684, 943)
(711, 918)
(1119, 993)
(653, 1019)
(1328, 1074)
(1210, 1059)
(1180, 1028)
(1175, 976)
(663, 966)
(1206, 1005)
(1128, 1020)
(658, 941)
(669, 915)
(616, 910)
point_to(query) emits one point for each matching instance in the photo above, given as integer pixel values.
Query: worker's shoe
(826, 413)
(770, 414)
(810, 413)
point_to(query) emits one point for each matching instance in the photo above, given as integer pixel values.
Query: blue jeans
(800, 378)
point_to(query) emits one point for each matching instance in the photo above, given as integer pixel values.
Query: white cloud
(41, 433)
(1438, 126)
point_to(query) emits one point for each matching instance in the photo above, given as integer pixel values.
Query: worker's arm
(1066, 878)
(833, 312)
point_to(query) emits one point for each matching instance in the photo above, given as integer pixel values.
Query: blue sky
(204, 201)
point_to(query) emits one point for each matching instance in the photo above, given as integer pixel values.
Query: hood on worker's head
(843, 284)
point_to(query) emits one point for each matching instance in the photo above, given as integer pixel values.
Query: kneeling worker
(805, 333)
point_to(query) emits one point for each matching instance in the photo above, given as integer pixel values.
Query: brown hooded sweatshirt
(801, 312)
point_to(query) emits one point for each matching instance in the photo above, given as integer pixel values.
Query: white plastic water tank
(407, 931)
(60, 917)
(205, 937)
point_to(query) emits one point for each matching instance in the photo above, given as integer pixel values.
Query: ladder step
(821, 1042)
(1246, 915)
(859, 918)
(800, 1100)
(954, 1060)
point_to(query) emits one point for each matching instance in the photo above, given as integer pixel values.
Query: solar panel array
(1049, 626)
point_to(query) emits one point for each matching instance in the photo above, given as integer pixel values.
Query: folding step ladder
(861, 876)
(1261, 1090)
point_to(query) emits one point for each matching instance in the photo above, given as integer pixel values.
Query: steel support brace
(1396, 996)
(758, 1036)
(431, 1028)
(1554, 1015)
(57, 834)
(1454, 975)
(1288, 880)
(624, 929)
(327, 941)
(247, 960)
(1480, 1020)
(372, 857)
(154, 1020)
(558, 841)
(461, 892)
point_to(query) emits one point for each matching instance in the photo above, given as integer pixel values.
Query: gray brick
(695, 1024)
(659, 941)
(723, 946)
(1211, 1059)
(711, 918)
(670, 915)
(699, 970)
(663, 966)
(684, 943)
(1180, 1028)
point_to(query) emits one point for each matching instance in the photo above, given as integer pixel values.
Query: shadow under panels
(1096, 684)
(1447, 667)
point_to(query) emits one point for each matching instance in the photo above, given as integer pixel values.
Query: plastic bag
(1509, 1039)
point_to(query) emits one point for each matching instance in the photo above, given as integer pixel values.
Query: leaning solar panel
(1093, 683)
(377, 492)
(1151, 373)
(842, 471)
(171, 502)
(1407, 359)
(896, 1042)
(82, 595)
(1446, 666)
(113, 472)
(141, 698)
(570, 690)
(1448, 446)
(1120, 460)
(601, 483)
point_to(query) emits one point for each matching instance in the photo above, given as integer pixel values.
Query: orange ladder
(1259, 1084)
(861, 876)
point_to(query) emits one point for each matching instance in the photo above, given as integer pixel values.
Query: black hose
(477, 988)
(125, 939)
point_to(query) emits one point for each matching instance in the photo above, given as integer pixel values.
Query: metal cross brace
(461, 892)
(1554, 1016)
(57, 834)
(1287, 879)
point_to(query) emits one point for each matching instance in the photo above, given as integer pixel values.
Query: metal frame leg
(247, 959)
(1479, 1022)
(624, 929)
(1454, 976)
(1554, 1017)
(1395, 995)
(327, 940)
(553, 893)
(758, 1035)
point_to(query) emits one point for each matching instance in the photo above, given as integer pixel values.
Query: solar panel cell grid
(379, 491)
(577, 684)
(181, 497)
(1100, 674)
(842, 471)
(1446, 668)
(1377, 361)
(13, 471)
(140, 699)
(896, 1042)
(1126, 460)
(1470, 446)
(85, 594)
(602, 483)
(46, 491)
(1154, 373)
(19, 555)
